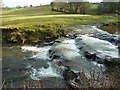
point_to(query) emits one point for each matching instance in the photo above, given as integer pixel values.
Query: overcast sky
(14, 3)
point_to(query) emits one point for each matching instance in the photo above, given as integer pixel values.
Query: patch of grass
(60, 19)
(110, 28)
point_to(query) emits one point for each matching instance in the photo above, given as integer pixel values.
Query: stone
(90, 55)
(69, 74)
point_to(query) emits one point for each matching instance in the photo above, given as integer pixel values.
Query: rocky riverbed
(70, 59)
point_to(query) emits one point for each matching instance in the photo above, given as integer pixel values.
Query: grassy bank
(46, 22)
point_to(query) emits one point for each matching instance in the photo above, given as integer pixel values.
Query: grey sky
(14, 3)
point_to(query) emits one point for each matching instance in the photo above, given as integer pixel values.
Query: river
(32, 63)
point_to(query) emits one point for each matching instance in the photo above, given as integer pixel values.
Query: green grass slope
(42, 14)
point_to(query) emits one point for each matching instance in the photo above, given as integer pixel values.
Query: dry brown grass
(101, 81)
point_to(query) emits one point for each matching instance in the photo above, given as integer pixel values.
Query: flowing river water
(21, 63)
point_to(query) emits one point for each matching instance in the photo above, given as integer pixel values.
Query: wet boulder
(69, 74)
(90, 55)
(54, 54)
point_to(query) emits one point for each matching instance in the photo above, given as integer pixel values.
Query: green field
(13, 17)
(43, 20)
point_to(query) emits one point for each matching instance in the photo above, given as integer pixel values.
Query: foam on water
(69, 48)
(36, 74)
(70, 44)
(30, 48)
(103, 47)
(40, 52)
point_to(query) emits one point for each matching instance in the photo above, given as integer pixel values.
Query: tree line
(85, 7)
(70, 7)
(109, 8)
